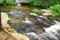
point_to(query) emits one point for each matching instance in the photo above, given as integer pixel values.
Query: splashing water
(54, 28)
(53, 32)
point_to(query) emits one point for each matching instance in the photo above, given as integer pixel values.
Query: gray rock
(32, 35)
(46, 20)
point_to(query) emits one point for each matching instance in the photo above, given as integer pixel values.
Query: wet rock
(32, 35)
(35, 24)
(43, 21)
(46, 20)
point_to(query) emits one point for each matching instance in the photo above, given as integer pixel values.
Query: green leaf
(55, 10)
(1, 1)
(9, 2)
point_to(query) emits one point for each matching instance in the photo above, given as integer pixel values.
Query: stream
(35, 27)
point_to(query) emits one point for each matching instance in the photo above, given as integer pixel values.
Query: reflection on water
(23, 7)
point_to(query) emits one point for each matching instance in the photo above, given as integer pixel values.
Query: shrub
(55, 10)
(1, 1)
(7, 2)
(44, 3)
(35, 2)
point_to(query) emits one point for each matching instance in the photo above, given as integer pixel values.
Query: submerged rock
(36, 27)
(32, 35)
(51, 33)
(42, 20)
(33, 23)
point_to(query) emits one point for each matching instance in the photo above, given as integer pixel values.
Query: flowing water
(52, 32)
(33, 31)
(32, 26)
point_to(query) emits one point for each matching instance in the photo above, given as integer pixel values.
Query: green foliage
(35, 2)
(7, 2)
(55, 10)
(1, 1)
(49, 3)
(39, 12)
(46, 3)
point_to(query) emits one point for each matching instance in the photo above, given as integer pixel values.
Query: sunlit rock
(27, 21)
(21, 1)
(33, 14)
(46, 12)
(4, 19)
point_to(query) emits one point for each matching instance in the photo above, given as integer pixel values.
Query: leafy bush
(1, 1)
(49, 3)
(39, 12)
(7, 2)
(55, 10)
(46, 3)
(35, 2)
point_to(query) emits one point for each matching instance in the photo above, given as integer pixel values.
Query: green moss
(39, 12)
